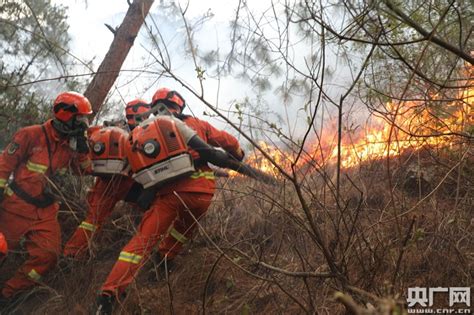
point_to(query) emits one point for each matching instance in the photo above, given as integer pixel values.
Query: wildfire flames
(401, 126)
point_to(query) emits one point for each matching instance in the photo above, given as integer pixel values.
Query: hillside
(254, 253)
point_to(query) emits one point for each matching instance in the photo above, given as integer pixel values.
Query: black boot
(105, 304)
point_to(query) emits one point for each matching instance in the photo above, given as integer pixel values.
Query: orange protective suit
(28, 159)
(107, 191)
(176, 203)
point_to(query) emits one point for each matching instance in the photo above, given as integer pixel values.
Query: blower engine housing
(108, 151)
(157, 151)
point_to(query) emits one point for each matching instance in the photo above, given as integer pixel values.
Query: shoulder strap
(41, 201)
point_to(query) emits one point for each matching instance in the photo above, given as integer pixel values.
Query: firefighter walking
(112, 182)
(35, 154)
(174, 207)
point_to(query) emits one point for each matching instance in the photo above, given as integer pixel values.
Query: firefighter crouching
(35, 154)
(157, 150)
(112, 183)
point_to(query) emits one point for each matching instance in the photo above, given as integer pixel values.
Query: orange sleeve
(222, 139)
(15, 152)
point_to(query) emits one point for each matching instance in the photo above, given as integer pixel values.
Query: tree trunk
(124, 37)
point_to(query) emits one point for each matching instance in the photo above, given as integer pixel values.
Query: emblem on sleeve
(12, 147)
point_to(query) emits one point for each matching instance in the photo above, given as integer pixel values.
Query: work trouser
(42, 241)
(180, 233)
(101, 202)
(155, 224)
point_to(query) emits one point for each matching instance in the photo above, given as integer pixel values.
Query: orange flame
(406, 125)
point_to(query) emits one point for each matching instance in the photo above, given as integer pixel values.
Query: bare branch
(429, 35)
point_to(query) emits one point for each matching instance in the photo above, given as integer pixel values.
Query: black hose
(225, 160)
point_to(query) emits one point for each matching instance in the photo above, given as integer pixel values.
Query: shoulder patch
(12, 147)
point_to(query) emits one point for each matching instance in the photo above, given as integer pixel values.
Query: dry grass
(384, 241)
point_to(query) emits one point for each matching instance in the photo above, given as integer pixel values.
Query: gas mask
(75, 130)
(158, 109)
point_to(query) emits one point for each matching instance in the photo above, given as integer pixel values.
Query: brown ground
(380, 250)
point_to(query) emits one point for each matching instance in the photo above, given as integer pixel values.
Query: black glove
(2, 194)
(82, 145)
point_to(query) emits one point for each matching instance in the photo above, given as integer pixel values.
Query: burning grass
(434, 122)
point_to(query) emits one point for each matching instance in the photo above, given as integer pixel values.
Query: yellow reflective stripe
(3, 182)
(33, 274)
(178, 236)
(88, 226)
(199, 174)
(37, 168)
(85, 164)
(130, 257)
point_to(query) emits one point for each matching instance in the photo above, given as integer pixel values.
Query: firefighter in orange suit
(170, 206)
(35, 154)
(107, 191)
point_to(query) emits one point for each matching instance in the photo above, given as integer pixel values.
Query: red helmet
(133, 108)
(169, 97)
(70, 104)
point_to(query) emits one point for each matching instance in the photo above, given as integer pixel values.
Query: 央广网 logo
(420, 300)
